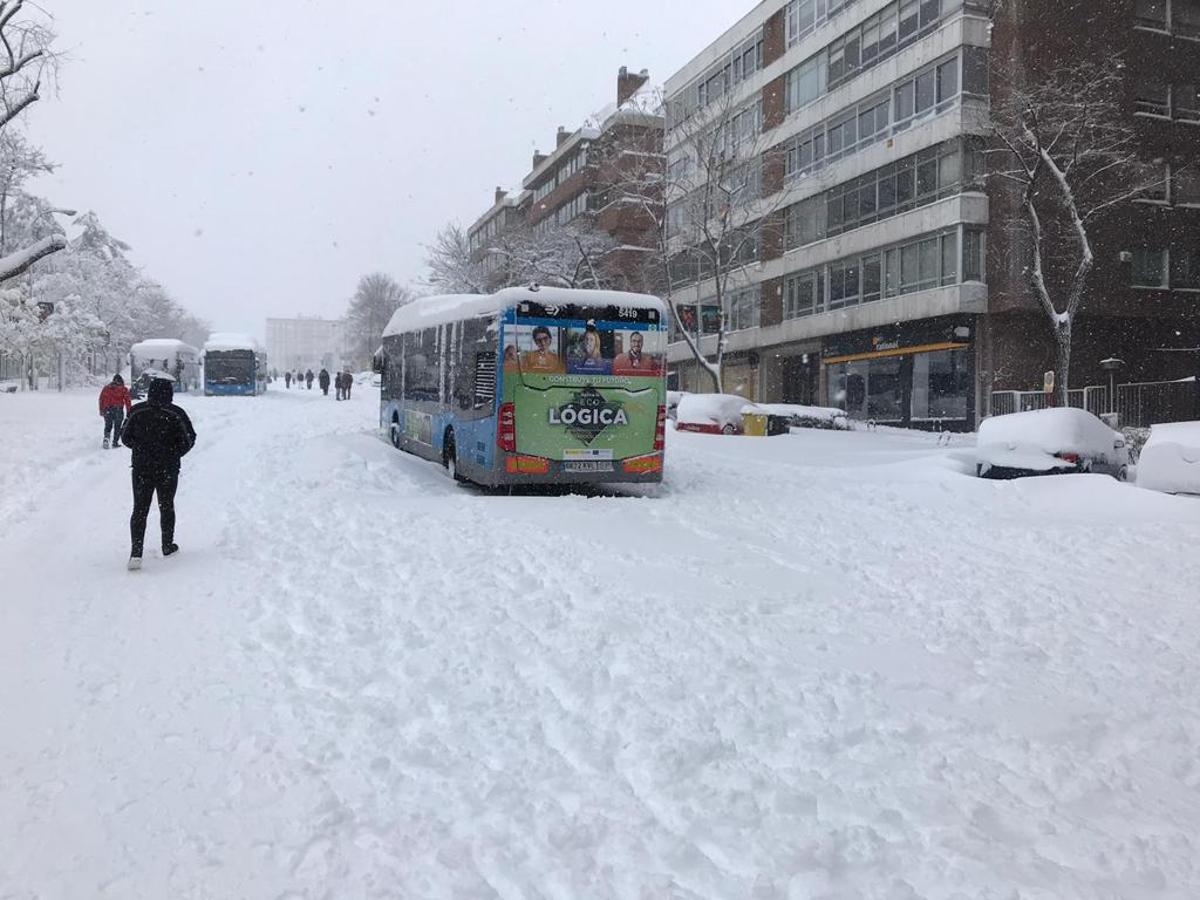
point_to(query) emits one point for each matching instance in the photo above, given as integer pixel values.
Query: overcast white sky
(261, 155)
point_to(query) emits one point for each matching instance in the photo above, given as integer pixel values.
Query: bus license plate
(587, 466)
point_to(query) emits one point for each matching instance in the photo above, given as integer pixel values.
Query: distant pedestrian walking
(287, 380)
(160, 434)
(114, 403)
(308, 378)
(349, 382)
(340, 385)
(323, 381)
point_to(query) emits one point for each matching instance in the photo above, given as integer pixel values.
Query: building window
(896, 188)
(1149, 267)
(1185, 186)
(744, 309)
(972, 254)
(874, 119)
(1153, 99)
(927, 262)
(860, 48)
(1177, 17)
(804, 294)
(1186, 102)
(802, 17)
(572, 209)
(1185, 268)
(1168, 101)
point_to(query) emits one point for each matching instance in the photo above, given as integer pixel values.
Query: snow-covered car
(1049, 442)
(1170, 460)
(712, 413)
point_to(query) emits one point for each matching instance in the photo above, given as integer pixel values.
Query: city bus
(164, 358)
(234, 364)
(533, 385)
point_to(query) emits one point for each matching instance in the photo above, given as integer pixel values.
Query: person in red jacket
(114, 403)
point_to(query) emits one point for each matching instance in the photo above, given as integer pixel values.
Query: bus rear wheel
(450, 456)
(394, 432)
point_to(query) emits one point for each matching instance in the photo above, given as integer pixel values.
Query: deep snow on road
(820, 665)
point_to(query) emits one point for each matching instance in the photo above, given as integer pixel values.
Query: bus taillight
(660, 429)
(506, 428)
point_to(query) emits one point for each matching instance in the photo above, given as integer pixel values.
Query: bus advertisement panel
(585, 386)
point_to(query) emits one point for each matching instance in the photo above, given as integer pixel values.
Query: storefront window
(940, 385)
(920, 388)
(885, 394)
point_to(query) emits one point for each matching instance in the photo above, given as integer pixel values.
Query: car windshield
(624, 450)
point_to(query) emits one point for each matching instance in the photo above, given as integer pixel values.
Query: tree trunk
(1062, 340)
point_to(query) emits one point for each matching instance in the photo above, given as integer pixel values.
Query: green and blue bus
(234, 365)
(531, 385)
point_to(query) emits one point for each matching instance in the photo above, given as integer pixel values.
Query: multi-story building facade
(577, 186)
(306, 343)
(887, 280)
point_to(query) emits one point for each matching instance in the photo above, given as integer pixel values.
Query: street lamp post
(1112, 365)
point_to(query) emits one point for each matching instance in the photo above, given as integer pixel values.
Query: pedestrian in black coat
(160, 434)
(323, 381)
(308, 378)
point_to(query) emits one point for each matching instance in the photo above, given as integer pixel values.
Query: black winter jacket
(158, 432)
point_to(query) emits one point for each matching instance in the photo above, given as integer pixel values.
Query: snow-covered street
(828, 664)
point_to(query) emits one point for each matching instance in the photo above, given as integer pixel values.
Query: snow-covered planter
(1047, 442)
(808, 416)
(712, 413)
(1170, 461)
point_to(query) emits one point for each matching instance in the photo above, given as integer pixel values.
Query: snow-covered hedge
(799, 416)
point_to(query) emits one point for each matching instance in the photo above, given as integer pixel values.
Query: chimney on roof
(561, 136)
(628, 85)
(501, 193)
(538, 158)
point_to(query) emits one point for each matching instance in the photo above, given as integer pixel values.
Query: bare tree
(1071, 153)
(377, 297)
(452, 269)
(25, 59)
(704, 198)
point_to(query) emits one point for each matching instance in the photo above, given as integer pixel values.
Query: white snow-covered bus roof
(429, 312)
(157, 346)
(223, 341)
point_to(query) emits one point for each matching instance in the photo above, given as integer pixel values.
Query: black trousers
(112, 422)
(147, 483)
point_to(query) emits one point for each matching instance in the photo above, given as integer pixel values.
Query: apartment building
(885, 278)
(306, 343)
(576, 186)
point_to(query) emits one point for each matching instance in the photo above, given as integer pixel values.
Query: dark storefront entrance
(800, 378)
(919, 375)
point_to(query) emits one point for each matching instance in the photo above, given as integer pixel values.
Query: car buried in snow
(1049, 442)
(711, 413)
(1170, 460)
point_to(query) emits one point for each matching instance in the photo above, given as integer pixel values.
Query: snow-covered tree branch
(1066, 145)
